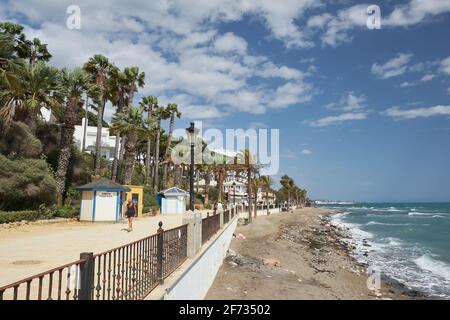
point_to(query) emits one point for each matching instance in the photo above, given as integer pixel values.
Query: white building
(108, 142)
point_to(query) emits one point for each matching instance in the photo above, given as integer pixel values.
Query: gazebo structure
(101, 200)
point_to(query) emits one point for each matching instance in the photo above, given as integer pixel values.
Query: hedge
(41, 214)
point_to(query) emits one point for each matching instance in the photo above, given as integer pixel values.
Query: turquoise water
(409, 242)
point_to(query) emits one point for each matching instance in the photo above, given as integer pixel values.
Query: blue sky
(363, 114)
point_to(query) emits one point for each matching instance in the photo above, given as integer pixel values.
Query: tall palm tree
(172, 110)
(288, 185)
(100, 69)
(118, 87)
(149, 103)
(35, 88)
(72, 85)
(132, 125)
(160, 114)
(256, 185)
(267, 182)
(134, 80)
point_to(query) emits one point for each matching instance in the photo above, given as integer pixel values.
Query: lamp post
(234, 193)
(191, 133)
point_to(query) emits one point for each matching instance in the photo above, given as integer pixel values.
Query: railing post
(222, 212)
(159, 252)
(189, 218)
(87, 273)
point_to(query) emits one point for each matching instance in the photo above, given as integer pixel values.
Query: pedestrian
(130, 213)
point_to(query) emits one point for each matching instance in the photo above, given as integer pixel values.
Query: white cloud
(349, 102)
(397, 113)
(336, 28)
(230, 42)
(331, 120)
(427, 77)
(306, 152)
(184, 56)
(407, 84)
(445, 65)
(416, 11)
(392, 68)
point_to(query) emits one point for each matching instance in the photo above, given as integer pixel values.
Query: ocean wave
(370, 223)
(415, 213)
(427, 263)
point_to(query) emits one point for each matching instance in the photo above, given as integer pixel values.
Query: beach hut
(172, 201)
(136, 194)
(101, 200)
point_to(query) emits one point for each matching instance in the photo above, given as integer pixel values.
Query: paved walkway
(34, 248)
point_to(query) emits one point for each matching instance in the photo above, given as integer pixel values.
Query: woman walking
(130, 213)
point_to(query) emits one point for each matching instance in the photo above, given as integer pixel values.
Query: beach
(296, 255)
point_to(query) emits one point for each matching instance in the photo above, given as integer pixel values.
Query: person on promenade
(215, 206)
(130, 213)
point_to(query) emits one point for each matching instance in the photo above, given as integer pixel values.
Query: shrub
(41, 214)
(149, 200)
(25, 184)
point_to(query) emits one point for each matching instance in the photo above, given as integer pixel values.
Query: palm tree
(23, 100)
(288, 185)
(256, 185)
(131, 124)
(72, 85)
(161, 114)
(100, 69)
(133, 79)
(266, 183)
(172, 110)
(149, 103)
(118, 87)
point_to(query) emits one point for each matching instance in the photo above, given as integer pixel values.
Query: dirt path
(291, 256)
(36, 247)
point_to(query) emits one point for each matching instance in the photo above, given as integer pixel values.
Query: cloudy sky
(363, 114)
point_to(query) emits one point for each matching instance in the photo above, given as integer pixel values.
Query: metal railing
(128, 272)
(61, 283)
(210, 225)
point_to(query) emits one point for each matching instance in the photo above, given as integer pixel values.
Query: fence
(210, 225)
(129, 272)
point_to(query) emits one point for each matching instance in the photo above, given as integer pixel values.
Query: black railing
(61, 283)
(210, 225)
(128, 272)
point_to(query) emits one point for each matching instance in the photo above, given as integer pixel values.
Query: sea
(407, 242)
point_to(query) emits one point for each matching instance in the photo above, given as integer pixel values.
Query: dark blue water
(409, 242)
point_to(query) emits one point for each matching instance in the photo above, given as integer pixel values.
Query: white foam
(425, 262)
(387, 224)
(418, 214)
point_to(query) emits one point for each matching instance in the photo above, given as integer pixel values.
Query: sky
(363, 113)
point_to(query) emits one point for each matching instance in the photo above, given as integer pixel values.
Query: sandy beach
(293, 256)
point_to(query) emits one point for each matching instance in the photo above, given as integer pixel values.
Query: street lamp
(191, 133)
(234, 194)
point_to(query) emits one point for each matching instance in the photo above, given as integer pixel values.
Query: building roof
(173, 190)
(104, 184)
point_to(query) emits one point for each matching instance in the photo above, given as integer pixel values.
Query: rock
(240, 236)
(233, 264)
(232, 253)
(272, 262)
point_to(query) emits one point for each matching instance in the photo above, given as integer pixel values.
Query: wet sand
(293, 256)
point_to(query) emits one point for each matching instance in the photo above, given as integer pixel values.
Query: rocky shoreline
(299, 255)
(341, 236)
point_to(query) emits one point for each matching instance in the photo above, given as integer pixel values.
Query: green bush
(25, 184)
(14, 216)
(41, 214)
(149, 200)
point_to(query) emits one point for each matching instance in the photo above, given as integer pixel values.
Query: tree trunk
(149, 151)
(156, 171)
(65, 152)
(207, 186)
(169, 148)
(255, 209)
(249, 194)
(116, 160)
(267, 202)
(98, 140)
(220, 185)
(129, 157)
